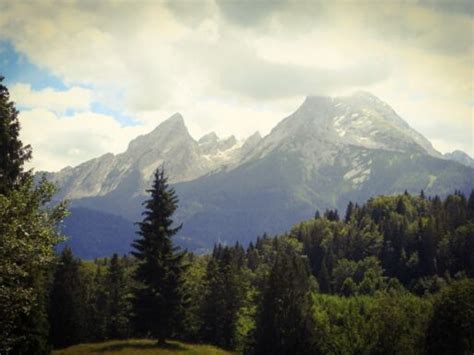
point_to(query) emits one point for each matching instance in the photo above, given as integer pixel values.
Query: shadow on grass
(141, 346)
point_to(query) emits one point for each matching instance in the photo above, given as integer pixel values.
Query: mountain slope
(330, 151)
(92, 234)
(271, 194)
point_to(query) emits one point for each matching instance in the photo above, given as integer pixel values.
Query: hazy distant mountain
(460, 157)
(330, 151)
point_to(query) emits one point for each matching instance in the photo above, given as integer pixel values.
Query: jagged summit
(316, 132)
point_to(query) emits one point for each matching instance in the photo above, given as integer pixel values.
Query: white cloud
(59, 141)
(75, 98)
(236, 68)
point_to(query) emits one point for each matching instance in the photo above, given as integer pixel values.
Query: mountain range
(328, 152)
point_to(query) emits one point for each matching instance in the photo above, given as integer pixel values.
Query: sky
(88, 76)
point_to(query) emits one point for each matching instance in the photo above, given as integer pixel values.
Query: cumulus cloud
(74, 98)
(60, 141)
(235, 66)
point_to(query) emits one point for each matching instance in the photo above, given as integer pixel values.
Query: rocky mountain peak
(322, 124)
(174, 123)
(171, 130)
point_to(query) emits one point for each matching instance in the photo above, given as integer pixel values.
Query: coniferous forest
(391, 276)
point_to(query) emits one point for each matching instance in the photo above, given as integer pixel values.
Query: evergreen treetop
(12, 152)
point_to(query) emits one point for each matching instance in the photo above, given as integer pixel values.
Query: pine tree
(213, 301)
(158, 297)
(401, 208)
(100, 306)
(331, 215)
(323, 277)
(67, 306)
(118, 305)
(349, 212)
(224, 294)
(12, 152)
(470, 202)
(284, 318)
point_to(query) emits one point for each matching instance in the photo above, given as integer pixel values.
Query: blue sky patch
(16, 68)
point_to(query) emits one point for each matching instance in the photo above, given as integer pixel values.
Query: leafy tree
(342, 325)
(365, 276)
(12, 151)
(28, 232)
(400, 321)
(158, 298)
(451, 330)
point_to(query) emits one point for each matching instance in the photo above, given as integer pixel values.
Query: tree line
(328, 286)
(394, 275)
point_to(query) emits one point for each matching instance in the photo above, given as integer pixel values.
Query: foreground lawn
(139, 347)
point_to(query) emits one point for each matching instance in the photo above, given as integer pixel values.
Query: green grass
(141, 347)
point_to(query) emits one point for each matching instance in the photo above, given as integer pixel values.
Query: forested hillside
(393, 275)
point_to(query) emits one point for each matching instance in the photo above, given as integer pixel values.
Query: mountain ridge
(328, 152)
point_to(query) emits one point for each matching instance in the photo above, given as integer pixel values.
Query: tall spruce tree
(67, 304)
(224, 293)
(158, 297)
(284, 322)
(99, 304)
(12, 152)
(118, 305)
